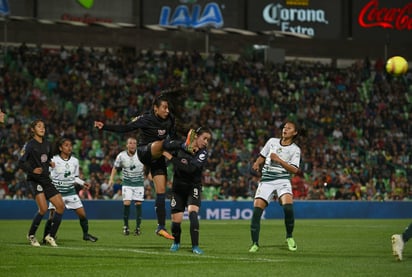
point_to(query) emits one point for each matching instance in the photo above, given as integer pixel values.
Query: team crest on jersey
(43, 158)
(39, 188)
(183, 161)
(202, 157)
(279, 150)
(172, 202)
(161, 132)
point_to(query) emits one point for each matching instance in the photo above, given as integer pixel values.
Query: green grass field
(325, 248)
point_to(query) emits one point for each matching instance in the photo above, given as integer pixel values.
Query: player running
(187, 184)
(64, 176)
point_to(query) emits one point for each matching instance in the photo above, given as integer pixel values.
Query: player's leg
(84, 224)
(156, 148)
(177, 218)
(42, 209)
(126, 212)
(48, 224)
(259, 206)
(138, 198)
(287, 205)
(193, 209)
(58, 203)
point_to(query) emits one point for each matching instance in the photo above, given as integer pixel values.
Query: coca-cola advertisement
(382, 20)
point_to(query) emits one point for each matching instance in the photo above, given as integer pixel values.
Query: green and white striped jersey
(64, 174)
(132, 169)
(272, 170)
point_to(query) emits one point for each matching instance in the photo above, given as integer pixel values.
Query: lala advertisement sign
(382, 20)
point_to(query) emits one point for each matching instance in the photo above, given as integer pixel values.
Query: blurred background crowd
(358, 147)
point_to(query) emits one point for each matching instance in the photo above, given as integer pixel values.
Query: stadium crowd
(359, 143)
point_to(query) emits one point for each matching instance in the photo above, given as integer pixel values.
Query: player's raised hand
(98, 124)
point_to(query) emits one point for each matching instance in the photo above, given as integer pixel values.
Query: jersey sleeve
(24, 162)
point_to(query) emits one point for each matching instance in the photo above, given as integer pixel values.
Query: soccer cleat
(254, 248)
(397, 246)
(126, 230)
(174, 247)
(89, 237)
(196, 250)
(189, 140)
(50, 240)
(164, 233)
(291, 244)
(137, 232)
(33, 241)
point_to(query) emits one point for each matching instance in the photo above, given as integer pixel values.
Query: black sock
(255, 225)
(47, 227)
(57, 219)
(84, 223)
(161, 209)
(194, 228)
(35, 223)
(138, 215)
(176, 231)
(126, 213)
(407, 234)
(289, 219)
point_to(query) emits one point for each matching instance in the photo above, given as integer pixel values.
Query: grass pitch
(325, 248)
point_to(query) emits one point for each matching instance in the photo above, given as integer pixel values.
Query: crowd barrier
(219, 210)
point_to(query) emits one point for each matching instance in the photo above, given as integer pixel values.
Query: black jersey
(152, 127)
(35, 154)
(188, 168)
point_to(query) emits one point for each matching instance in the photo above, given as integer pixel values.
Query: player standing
(64, 176)
(35, 160)
(187, 184)
(280, 158)
(132, 183)
(399, 240)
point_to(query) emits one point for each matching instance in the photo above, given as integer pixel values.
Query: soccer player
(35, 160)
(132, 183)
(399, 240)
(64, 176)
(187, 184)
(280, 158)
(155, 126)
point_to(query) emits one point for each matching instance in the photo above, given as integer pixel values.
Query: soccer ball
(396, 66)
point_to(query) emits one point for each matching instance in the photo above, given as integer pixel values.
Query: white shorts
(72, 202)
(133, 193)
(266, 190)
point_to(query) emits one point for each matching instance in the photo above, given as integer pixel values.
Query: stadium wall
(218, 210)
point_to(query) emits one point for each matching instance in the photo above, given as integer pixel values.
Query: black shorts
(181, 198)
(156, 167)
(47, 188)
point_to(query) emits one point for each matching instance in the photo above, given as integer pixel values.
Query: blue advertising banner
(228, 210)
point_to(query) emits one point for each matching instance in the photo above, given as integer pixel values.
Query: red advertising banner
(389, 20)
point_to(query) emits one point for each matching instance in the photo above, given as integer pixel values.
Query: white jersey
(272, 170)
(132, 169)
(64, 174)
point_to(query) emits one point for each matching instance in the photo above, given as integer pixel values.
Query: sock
(194, 228)
(407, 234)
(176, 231)
(47, 227)
(160, 209)
(57, 219)
(35, 223)
(138, 215)
(289, 219)
(255, 225)
(84, 223)
(126, 212)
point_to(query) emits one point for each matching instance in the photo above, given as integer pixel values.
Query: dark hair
(301, 132)
(59, 143)
(202, 130)
(33, 124)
